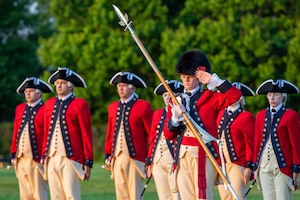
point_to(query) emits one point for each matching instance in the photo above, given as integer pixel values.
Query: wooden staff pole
(124, 22)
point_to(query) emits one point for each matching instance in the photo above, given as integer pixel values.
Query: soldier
(68, 148)
(126, 143)
(26, 146)
(161, 151)
(236, 131)
(276, 142)
(193, 166)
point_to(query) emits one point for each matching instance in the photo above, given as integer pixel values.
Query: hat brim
(35, 83)
(68, 75)
(280, 86)
(175, 86)
(128, 78)
(246, 91)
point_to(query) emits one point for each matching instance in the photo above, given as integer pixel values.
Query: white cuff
(214, 82)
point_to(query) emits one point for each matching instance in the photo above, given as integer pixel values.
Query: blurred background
(246, 41)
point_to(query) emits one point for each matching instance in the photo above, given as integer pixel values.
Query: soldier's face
(125, 90)
(275, 98)
(166, 97)
(63, 87)
(32, 95)
(189, 82)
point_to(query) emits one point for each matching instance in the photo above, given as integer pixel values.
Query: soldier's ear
(284, 95)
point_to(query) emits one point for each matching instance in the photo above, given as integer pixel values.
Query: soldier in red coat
(276, 142)
(161, 151)
(27, 138)
(195, 174)
(67, 147)
(126, 143)
(236, 132)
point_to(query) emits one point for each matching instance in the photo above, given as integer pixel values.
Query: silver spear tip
(116, 8)
(123, 18)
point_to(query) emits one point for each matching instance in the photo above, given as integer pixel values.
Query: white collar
(35, 103)
(277, 107)
(65, 97)
(193, 91)
(130, 98)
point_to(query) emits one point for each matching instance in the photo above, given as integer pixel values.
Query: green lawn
(100, 186)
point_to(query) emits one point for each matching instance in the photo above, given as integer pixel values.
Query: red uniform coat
(208, 107)
(78, 119)
(38, 128)
(155, 121)
(154, 134)
(242, 136)
(139, 122)
(288, 132)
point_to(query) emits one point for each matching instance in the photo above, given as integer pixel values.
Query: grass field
(99, 187)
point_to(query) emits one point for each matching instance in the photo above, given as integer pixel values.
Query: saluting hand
(203, 76)
(212, 80)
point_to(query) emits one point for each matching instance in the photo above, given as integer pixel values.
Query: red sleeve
(85, 123)
(19, 111)
(259, 126)
(148, 114)
(111, 118)
(168, 134)
(49, 105)
(222, 100)
(294, 135)
(248, 131)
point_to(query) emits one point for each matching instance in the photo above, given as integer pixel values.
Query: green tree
(246, 41)
(90, 41)
(19, 33)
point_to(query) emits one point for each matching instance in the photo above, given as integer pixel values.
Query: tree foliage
(246, 41)
(91, 42)
(19, 32)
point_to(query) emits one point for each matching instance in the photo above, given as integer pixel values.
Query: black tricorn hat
(246, 91)
(192, 60)
(68, 75)
(280, 85)
(129, 78)
(36, 83)
(176, 87)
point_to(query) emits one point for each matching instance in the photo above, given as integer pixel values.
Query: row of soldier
(52, 141)
(142, 143)
(181, 169)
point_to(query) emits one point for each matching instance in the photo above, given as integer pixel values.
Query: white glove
(214, 82)
(177, 111)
